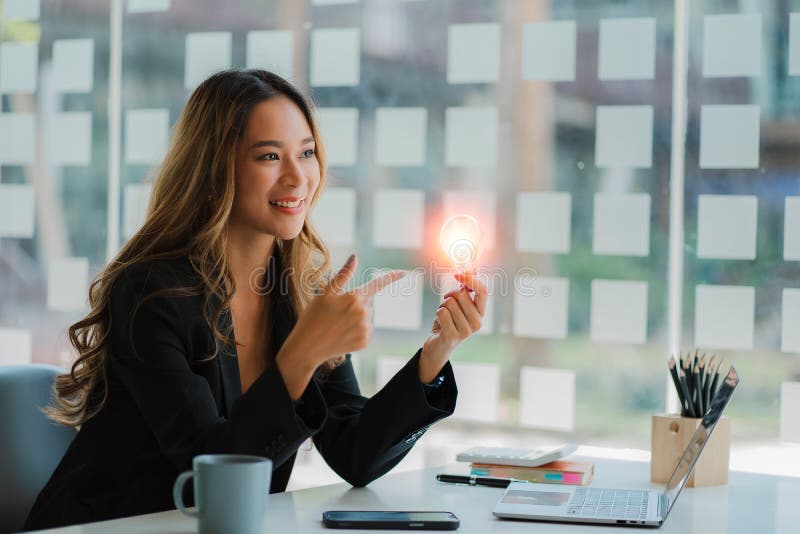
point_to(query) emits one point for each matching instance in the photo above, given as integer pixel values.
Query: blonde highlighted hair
(187, 218)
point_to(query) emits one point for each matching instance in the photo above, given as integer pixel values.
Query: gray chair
(30, 444)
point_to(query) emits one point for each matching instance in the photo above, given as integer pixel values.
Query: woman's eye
(272, 156)
(308, 153)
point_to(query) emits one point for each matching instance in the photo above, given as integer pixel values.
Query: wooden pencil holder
(670, 435)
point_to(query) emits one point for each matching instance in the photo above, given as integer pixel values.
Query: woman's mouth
(291, 206)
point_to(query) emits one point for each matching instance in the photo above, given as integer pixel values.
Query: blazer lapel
(228, 362)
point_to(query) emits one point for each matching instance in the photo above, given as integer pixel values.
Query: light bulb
(460, 238)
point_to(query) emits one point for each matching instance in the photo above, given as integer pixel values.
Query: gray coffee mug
(230, 492)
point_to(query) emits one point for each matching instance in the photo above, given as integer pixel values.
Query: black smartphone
(390, 520)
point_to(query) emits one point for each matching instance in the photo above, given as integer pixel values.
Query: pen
(474, 480)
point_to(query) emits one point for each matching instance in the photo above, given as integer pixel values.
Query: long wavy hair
(187, 217)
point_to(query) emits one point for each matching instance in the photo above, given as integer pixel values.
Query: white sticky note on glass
(723, 317)
(790, 318)
(547, 398)
(19, 64)
(335, 57)
(729, 137)
(399, 305)
(73, 65)
(621, 224)
(473, 53)
(790, 407)
(400, 136)
(146, 136)
(21, 10)
(271, 50)
(544, 222)
(726, 227)
(135, 199)
(732, 45)
(334, 216)
(548, 51)
(15, 346)
(71, 138)
(478, 204)
(387, 367)
(624, 136)
(399, 218)
(619, 311)
(627, 49)
(478, 391)
(339, 129)
(541, 307)
(471, 137)
(17, 137)
(206, 53)
(794, 44)
(791, 229)
(17, 210)
(67, 284)
(148, 6)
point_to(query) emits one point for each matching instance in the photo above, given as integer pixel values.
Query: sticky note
(400, 136)
(334, 216)
(723, 317)
(548, 51)
(135, 199)
(335, 57)
(399, 305)
(794, 44)
(624, 136)
(473, 53)
(19, 63)
(147, 6)
(619, 311)
(541, 307)
(73, 65)
(790, 318)
(71, 138)
(729, 137)
(627, 49)
(15, 346)
(732, 45)
(398, 218)
(478, 204)
(339, 129)
(271, 50)
(547, 398)
(387, 367)
(206, 53)
(17, 210)
(67, 284)
(146, 136)
(544, 222)
(791, 229)
(17, 136)
(21, 10)
(471, 137)
(478, 391)
(790, 406)
(726, 226)
(332, 2)
(621, 224)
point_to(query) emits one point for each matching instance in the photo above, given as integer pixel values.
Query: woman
(215, 330)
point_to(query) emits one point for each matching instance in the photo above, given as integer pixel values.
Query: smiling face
(277, 172)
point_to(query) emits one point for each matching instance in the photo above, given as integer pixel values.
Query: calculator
(516, 457)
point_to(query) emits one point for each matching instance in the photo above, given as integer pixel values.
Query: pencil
(701, 375)
(674, 372)
(716, 379)
(709, 376)
(689, 410)
(698, 409)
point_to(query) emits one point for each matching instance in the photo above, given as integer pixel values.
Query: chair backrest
(30, 444)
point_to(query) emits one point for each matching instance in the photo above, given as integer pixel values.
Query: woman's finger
(481, 292)
(446, 322)
(378, 283)
(459, 319)
(344, 274)
(469, 309)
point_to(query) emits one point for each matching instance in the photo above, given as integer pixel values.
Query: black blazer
(164, 407)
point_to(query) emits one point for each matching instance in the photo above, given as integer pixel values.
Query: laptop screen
(686, 462)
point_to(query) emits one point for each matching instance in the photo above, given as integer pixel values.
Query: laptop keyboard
(610, 503)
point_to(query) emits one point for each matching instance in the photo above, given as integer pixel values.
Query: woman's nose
(292, 175)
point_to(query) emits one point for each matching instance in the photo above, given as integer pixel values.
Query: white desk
(750, 503)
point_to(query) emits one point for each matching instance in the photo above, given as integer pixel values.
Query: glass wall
(550, 122)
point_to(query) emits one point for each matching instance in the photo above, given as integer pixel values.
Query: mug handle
(177, 493)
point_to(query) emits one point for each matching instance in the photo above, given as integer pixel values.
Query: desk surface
(749, 503)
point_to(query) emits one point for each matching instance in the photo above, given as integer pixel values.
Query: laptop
(642, 507)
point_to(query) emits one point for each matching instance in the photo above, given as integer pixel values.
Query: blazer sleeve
(363, 438)
(149, 356)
